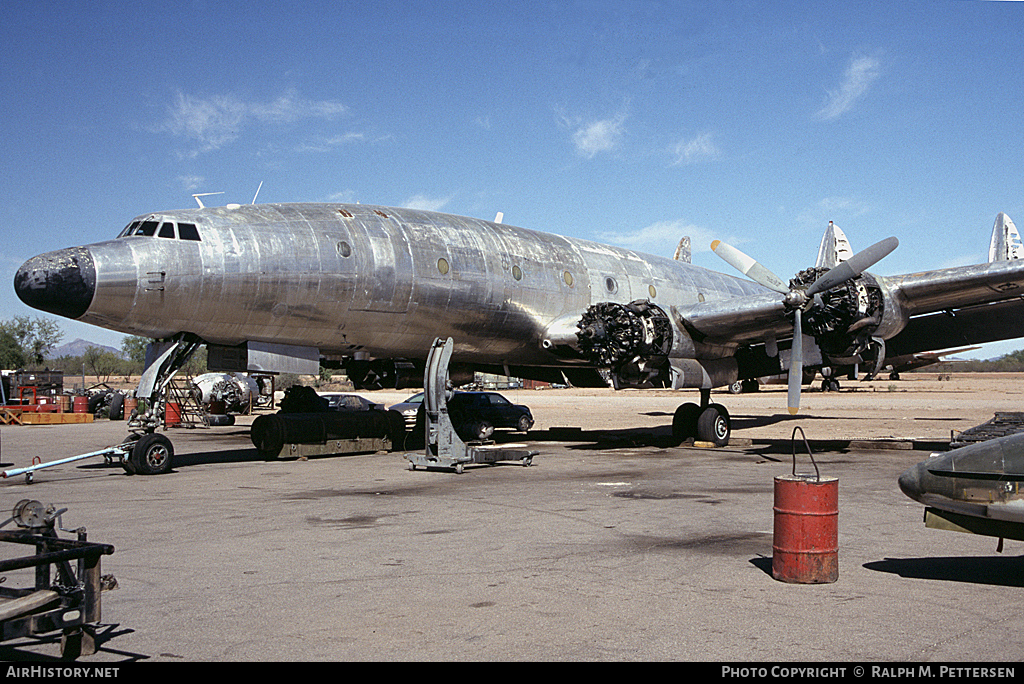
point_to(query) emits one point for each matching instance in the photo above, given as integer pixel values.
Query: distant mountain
(78, 347)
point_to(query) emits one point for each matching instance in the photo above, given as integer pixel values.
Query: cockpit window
(188, 231)
(165, 229)
(147, 228)
(129, 229)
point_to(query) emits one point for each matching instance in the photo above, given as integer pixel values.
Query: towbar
(107, 453)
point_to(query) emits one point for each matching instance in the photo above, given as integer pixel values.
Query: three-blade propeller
(799, 299)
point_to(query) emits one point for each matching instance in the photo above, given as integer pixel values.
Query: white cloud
(424, 203)
(343, 197)
(599, 136)
(860, 74)
(661, 237)
(322, 144)
(215, 121)
(191, 182)
(694, 150)
(594, 137)
(838, 209)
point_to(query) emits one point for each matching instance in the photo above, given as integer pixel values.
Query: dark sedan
(475, 415)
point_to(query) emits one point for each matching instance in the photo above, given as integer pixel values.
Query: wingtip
(714, 245)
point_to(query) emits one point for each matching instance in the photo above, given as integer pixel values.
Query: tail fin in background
(1005, 244)
(683, 250)
(834, 248)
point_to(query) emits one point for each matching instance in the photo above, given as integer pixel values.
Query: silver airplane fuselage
(362, 281)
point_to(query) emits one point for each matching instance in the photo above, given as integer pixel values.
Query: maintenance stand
(444, 448)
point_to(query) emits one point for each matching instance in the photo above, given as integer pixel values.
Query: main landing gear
(706, 422)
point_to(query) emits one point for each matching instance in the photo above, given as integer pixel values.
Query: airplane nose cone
(61, 282)
(910, 482)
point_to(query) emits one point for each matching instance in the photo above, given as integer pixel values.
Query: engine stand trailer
(71, 603)
(444, 448)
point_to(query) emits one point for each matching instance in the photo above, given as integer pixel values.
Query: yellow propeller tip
(793, 410)
(714, 245)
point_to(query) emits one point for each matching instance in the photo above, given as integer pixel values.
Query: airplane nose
(61, 282)
(910, 482)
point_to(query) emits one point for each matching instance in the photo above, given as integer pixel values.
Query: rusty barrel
(805, 546)
(172, 414)
(80, 404)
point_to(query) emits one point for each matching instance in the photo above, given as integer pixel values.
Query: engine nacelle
(632, 340)
(846, 319)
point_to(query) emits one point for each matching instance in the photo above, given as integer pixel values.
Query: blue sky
(625, 122)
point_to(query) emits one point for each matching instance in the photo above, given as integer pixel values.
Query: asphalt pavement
(612, 546)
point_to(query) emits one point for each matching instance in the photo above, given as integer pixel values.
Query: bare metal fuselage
(358, 280)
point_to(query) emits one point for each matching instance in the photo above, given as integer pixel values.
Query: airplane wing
(906, 362)
(923, 311)
(953, 288)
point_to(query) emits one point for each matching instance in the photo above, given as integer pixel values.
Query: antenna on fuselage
(257, 192)
(500, 217)
(197, 195)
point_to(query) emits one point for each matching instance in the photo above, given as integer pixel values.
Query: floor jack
(444, 448)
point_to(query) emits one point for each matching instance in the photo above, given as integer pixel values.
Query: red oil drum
(805, 546)
(172, 414)
(80, 404)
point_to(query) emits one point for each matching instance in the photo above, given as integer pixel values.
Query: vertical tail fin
(1005, 244)
(834, 248)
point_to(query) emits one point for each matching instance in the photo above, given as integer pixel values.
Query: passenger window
(188, 231)
(147, 228)
(166, 230)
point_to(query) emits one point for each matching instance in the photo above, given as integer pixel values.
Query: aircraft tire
(684, 422)
(714, 425)
(116, 406)
(152, 455)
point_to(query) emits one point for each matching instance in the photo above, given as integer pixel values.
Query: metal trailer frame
(71, 602)
(444, 448)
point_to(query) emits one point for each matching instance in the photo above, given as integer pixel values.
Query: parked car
(350, 402)
(475, 415)
(408, 409)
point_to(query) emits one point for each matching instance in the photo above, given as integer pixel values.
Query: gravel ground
(918, 407)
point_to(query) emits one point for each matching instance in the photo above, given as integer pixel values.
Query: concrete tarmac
(611, 546)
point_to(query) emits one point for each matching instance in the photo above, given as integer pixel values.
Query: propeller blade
(749, 267)
(854, 266)
(796, 365)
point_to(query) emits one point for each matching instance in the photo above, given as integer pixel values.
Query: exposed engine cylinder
(612, 335)
(848, 311)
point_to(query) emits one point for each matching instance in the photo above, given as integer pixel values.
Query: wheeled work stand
(444, 448)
